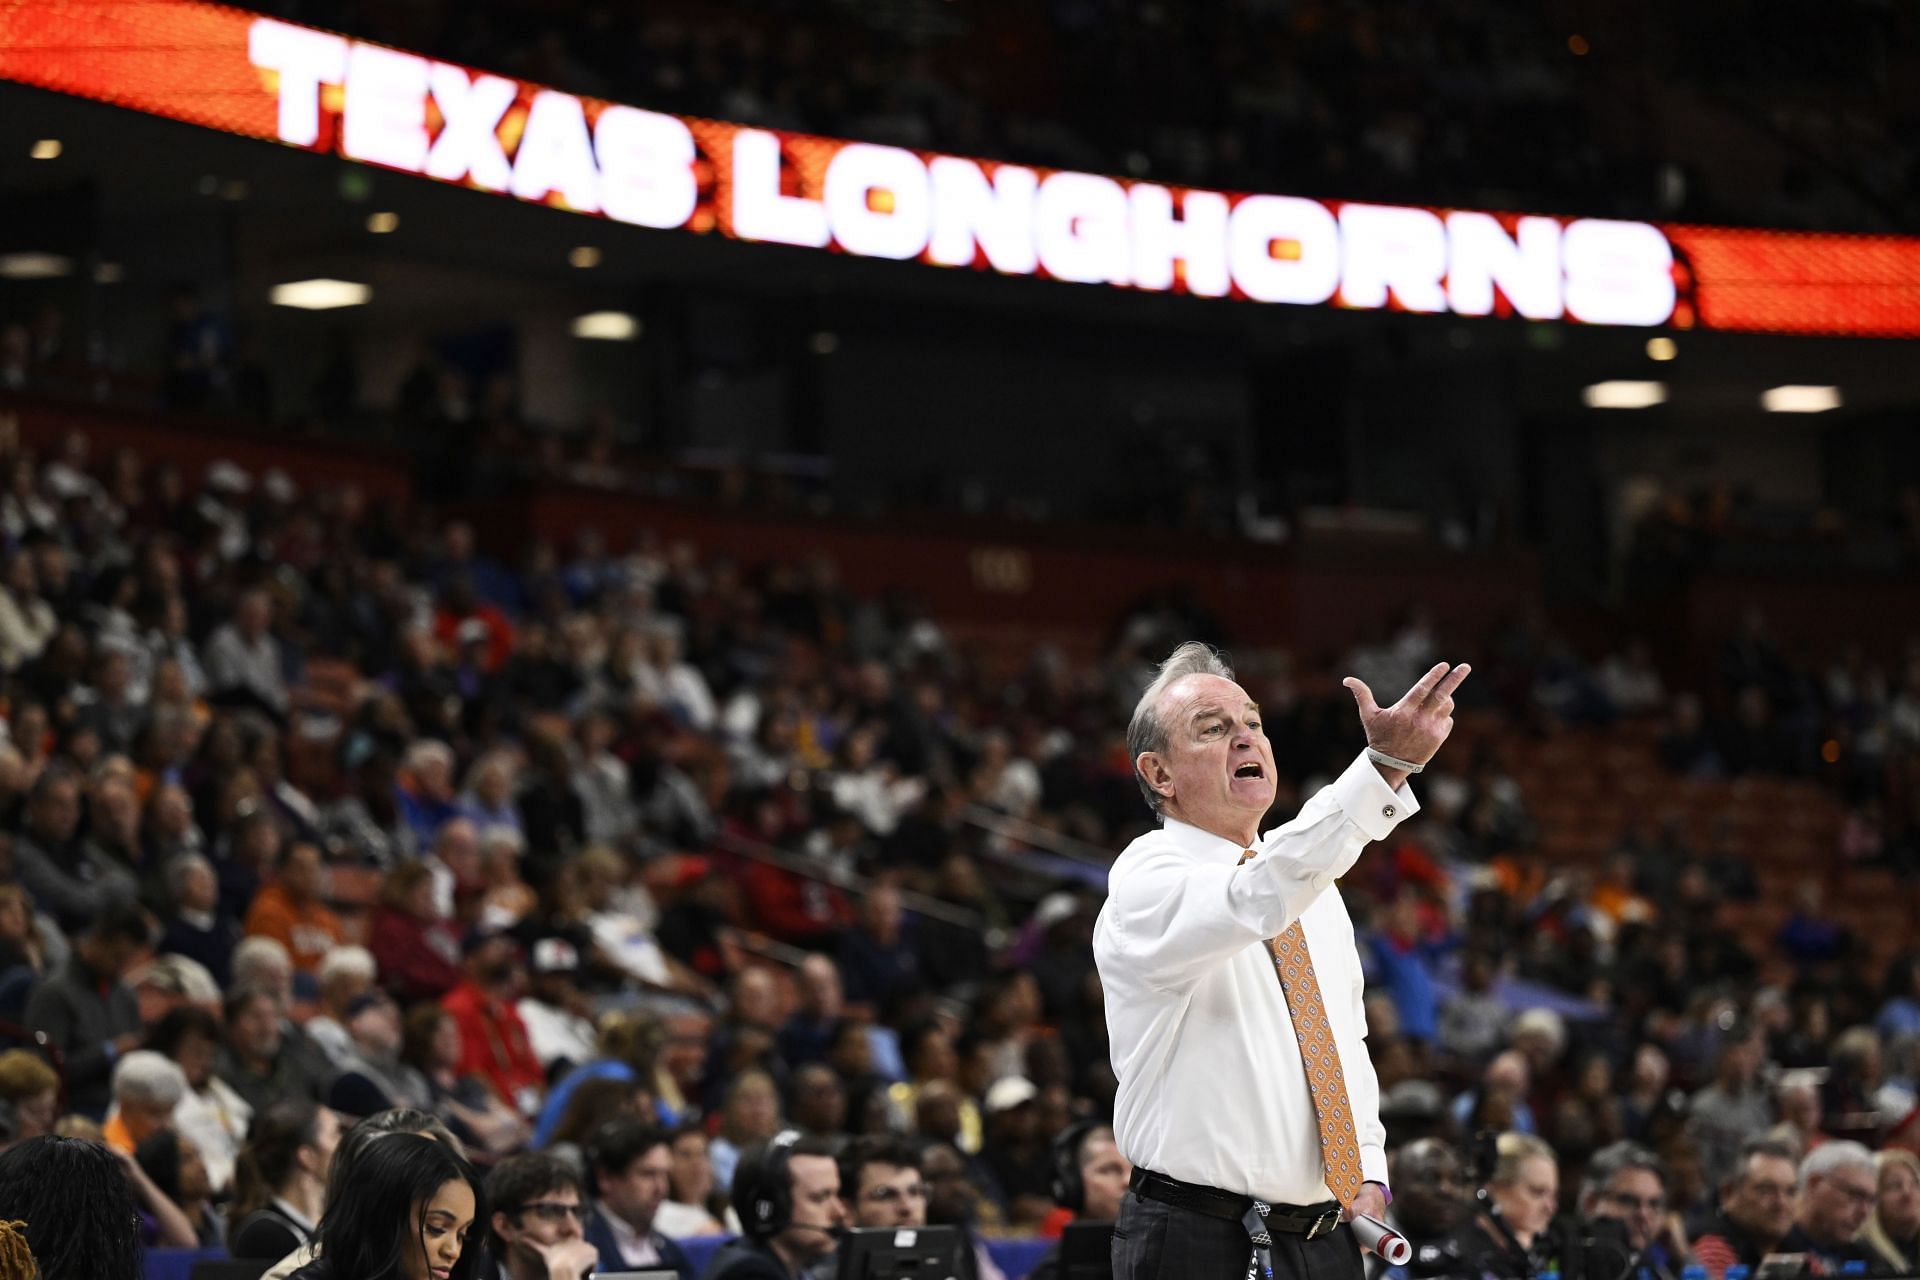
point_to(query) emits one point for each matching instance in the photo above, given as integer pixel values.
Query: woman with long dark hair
(405, 1215)
(77, 1205)
(346, 1161)
(280, 1180)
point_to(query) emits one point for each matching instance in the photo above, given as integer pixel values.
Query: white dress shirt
(636, 1247)
(1212, 1090)
(216, 1119)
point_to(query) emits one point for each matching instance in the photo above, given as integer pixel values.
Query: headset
(763, 1188)
(1068, 1187)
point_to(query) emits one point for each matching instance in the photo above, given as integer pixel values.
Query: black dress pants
(1157, 1241)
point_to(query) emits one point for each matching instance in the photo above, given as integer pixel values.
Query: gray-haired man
(1247, 1103)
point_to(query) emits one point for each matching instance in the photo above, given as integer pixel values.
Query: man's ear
(1155, 771)
(503, 1226)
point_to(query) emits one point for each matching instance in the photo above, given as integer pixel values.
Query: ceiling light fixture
(1795, 399)
(1625, 395)
(606, 326)
(320, 295)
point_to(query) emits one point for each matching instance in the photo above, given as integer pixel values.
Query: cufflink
(1387, 811)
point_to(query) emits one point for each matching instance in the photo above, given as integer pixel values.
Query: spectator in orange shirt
(493, 1039)
(290, 911)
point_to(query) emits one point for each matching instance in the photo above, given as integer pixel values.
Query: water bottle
(1694, 1272)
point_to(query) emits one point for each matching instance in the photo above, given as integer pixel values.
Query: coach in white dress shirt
(1214, 1107)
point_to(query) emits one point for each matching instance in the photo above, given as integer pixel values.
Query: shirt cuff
(1369, 802)
(1373, 1167)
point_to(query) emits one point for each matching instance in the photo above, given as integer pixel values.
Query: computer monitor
(903, 1253)
(1086, 1251)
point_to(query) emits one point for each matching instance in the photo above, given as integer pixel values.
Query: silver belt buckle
(1324, 1223)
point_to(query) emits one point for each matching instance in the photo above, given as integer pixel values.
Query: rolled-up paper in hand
(1385, 1242)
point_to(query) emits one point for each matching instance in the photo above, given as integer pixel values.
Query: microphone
(835, 1232)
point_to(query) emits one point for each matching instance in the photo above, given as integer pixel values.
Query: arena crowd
(611, 863)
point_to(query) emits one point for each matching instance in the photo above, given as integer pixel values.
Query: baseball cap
(1009, 1092)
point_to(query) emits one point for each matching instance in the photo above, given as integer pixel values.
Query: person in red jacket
(416, 949)
(493, 1040)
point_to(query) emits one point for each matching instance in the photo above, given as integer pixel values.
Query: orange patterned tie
(1326, 1082)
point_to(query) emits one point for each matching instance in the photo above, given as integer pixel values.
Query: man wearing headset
(787, 1193)
(1089, 1181)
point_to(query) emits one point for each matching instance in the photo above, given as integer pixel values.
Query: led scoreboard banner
(262, 78)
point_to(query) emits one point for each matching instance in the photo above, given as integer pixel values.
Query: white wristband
(1393, 762)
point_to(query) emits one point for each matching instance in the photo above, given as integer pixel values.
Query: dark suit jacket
(267, 1233)
(599, 1234)
(746, 1260)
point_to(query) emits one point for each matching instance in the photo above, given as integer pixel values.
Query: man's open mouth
(1251, 769)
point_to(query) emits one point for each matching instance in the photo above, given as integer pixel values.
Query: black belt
(1303, 1220)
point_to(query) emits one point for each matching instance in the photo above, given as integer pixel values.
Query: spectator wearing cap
(198, 929)
(346, 973)
(291, 911)
(243, 661)
(1014, 1151)
(87, 1011)
(414, 945)
(493, 1037)
(554, 1011)
(147, 1086)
